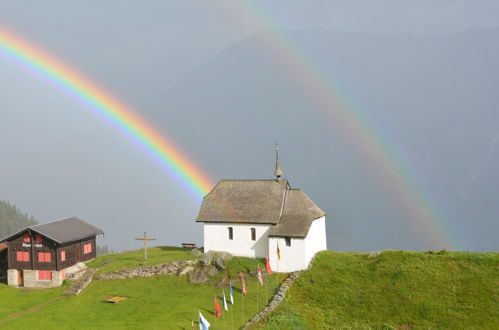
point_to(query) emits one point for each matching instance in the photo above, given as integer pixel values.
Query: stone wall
(146, 271)
(276, 300)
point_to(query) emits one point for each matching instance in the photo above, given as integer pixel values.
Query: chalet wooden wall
(74, 253)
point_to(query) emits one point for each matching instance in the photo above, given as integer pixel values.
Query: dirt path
(31, 309)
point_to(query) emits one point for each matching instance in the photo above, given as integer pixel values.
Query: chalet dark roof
(261, 201)
(63, 231)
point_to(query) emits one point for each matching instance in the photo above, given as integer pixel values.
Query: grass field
(397, 290)
(158, 302)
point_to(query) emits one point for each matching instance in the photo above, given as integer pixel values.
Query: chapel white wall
(298, 255)
(316, 238)
(292, 257)
(216, 238)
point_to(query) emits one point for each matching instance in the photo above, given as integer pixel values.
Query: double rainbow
(420, 214)
(397, 179)
(105, 106)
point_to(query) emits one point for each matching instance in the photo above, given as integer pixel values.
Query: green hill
(396, 290)
(157, 302)
(12, 219)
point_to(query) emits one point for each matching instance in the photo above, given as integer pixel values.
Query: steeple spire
(278, 171)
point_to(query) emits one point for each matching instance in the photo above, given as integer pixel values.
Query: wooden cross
(145, 239)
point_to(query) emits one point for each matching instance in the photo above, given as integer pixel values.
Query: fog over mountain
(428, 89)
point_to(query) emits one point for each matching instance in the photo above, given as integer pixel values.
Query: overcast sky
(59, 160)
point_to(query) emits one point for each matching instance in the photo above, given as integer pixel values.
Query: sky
(175, 63)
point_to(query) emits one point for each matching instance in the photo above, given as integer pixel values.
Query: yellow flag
(278, 252)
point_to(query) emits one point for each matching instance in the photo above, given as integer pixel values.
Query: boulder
(197, 276)
(225, 255)
(196, 252)
(184, 270)
(207, 258)
(211, 270)
(373, 254)
(218, 262)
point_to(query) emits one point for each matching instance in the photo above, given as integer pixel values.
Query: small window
(231, 233)
(87, 248)
(38, 238)
(45, 275)
(288, 241)
(63, 255)
(22, 256)
(253, 234)
(43, 256)
(26, 238)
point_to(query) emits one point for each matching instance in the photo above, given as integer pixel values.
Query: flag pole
(256, 282)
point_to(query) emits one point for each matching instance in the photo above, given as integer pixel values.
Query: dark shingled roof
(63, 231)
(299, 212)
(261, 201)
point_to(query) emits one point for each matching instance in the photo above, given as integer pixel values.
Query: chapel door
(20, 278)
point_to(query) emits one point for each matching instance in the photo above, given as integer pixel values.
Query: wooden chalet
(42, 255)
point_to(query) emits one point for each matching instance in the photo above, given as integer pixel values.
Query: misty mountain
(13, 219)
(432, 100)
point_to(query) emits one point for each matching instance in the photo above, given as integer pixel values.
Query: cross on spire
(145, 239)
(278, 171)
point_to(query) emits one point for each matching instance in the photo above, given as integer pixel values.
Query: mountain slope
(12, 219)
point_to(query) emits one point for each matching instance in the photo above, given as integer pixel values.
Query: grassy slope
(401, 290)
(158, 302)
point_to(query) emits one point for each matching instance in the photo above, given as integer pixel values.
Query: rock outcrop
(145, 271)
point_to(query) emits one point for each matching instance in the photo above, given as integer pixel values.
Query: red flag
(243, 284)
(218, 311)
(267, 265)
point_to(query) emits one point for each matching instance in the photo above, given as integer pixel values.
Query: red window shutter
(38, 238)
(87, 248)
(47, 256)
(63, 255)
(26, 238)
(19, 256)
(41, 257)
(25, 256)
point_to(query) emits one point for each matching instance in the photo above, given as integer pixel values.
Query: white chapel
(254, 218)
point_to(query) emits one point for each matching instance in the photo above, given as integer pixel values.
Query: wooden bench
(188, 245)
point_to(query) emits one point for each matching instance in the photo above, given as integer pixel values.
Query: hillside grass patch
(396, 290)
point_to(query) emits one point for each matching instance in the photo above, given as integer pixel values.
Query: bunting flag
(203, 323)
(225, 301)
(260, 275)
(218, 311)
(243, 284)
(278, 252)
(267, 265)
(230, 293)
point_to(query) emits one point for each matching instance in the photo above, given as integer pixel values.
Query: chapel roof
(261, 202)
(63, 231)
